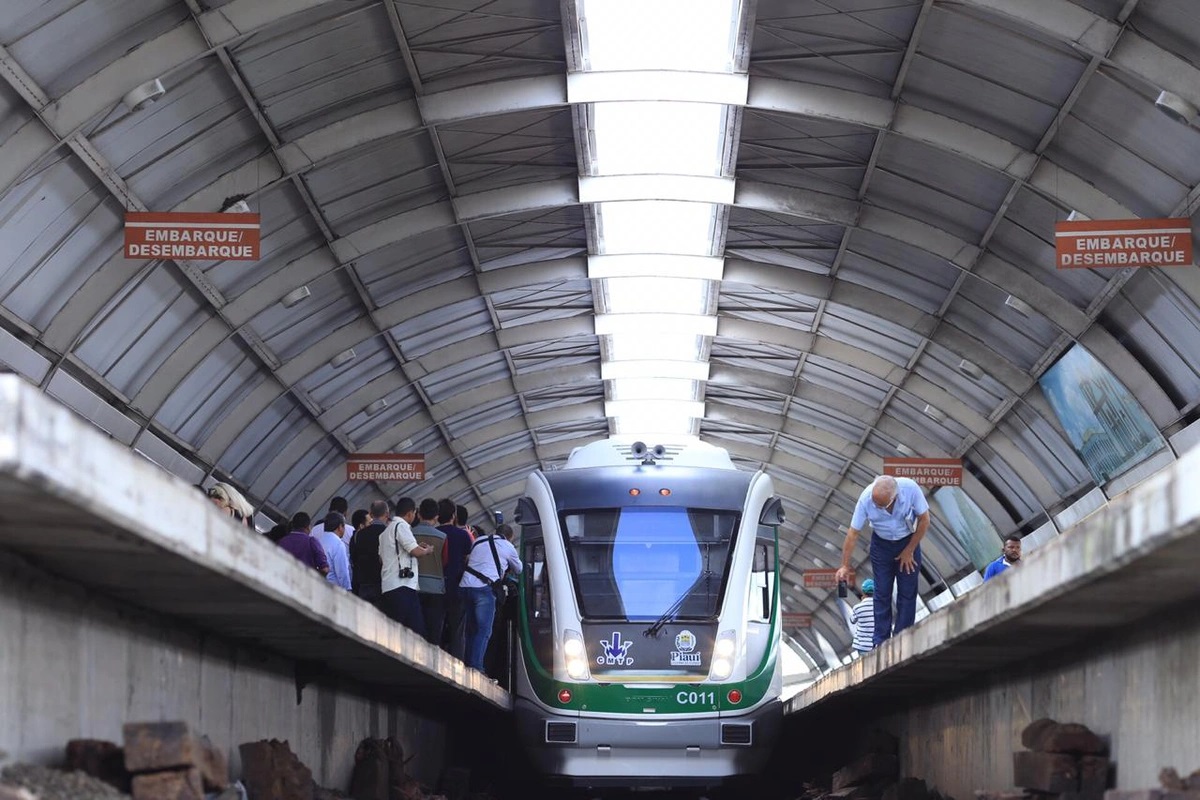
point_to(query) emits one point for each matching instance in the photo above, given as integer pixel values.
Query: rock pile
(1063, 758)
(31, 782)
(1171, 787)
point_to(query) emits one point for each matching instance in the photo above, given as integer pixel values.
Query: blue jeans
(887, 572)
(479, 609)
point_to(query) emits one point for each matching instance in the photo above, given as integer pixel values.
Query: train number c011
(686, 698)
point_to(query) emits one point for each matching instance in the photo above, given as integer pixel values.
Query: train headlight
(723, 652)
(575, 656)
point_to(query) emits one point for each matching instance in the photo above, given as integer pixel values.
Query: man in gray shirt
(431, 581)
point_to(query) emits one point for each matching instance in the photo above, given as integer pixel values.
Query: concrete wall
(74, 665)
(1141, 689)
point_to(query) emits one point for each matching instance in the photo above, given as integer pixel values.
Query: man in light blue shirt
(330, 538)
(899, 516)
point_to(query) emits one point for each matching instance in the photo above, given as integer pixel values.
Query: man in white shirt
(330, 537)
(475, 588)
(398, 553)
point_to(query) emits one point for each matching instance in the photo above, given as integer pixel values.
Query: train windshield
(643, 563)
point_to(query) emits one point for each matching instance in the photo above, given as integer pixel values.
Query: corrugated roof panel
(769, 358)
(304, 476)
(287, 233)
(510, 149)
(59, 227)
(138, 331)
(860, 49)
(830, 419)
(735, 397)
(979, 310)
(401, 404)
(469, 44)
(537, 356)
(554, 233)
(1157, 322)
(922, 281)
(782, 239)
(454, 379)
(355, 190)
(939, 366)
(440, 327)
(1046, 447)
(481, 456)
(324, 65)
(328, 384)
(260, 443)
(1025, 238)
(814, 454)
(99, 32)
(815, 154)
(291, 331)
(14, 111)
(908, 409)
(416, 264)
(209, 392)
(1004, 481)
(184, 141)
(869, 332)
(950, 193)
(848, 380)
(542, 303)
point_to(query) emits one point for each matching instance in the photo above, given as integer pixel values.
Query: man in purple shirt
(303, 546)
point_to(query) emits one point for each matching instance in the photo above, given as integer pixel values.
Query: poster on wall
(971, 528)
(1104, 422)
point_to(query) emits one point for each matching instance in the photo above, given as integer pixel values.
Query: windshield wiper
(670, 613)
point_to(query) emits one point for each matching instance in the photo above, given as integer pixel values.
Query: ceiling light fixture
(144, 95)
(905, 450)
(1019, 305)
(295, 296)
(376, 407)
(934, 413)
(1075, 216)
(970, 369)
(343, 358)
(1176, 108)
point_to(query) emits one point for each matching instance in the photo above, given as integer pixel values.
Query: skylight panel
(656, 226)
(654, 294)
(694, 35)
(658, 138)
(653, 389)
(687, 370)
(666, 422)
(663, 265)
(666, 347)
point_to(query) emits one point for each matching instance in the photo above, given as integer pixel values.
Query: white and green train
(648, 627)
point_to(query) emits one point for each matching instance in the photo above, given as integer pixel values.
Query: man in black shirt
(365, 565)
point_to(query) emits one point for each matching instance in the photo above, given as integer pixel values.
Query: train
(647, 647)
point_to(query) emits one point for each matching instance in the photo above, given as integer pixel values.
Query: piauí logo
(685, 641)
(615, 651)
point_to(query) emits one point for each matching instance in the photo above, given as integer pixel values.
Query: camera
(406, 572)
(498, 516)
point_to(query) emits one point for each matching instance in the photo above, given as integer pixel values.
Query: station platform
(1098, 626)
(81, 507)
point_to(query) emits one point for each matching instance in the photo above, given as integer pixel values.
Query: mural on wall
(970, 526)
(1104, 423)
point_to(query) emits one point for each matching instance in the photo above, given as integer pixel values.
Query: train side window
(762, 582)
(537, 598)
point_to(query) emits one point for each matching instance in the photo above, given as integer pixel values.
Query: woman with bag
(482, 587)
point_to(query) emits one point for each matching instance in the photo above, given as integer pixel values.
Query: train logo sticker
(683, 655)
(615, 652)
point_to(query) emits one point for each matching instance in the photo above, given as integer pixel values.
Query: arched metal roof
(899, 167)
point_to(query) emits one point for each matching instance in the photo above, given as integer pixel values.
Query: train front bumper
(645, 750)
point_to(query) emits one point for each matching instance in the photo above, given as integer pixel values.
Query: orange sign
(191, 236)
(1123, 243)
(393, 467)
(926, 471)
(822, 578)
(797, 620)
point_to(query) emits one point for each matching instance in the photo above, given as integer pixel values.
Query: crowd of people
(422, 564)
